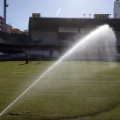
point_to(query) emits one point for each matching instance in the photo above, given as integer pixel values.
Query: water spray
(83, 41)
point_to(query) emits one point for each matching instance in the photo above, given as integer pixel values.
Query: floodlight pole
(5, 6)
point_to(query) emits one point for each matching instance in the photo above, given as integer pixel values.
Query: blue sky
(19, 11)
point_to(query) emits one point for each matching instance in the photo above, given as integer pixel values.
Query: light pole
(90, 15)
(84, 15)
(5, 6)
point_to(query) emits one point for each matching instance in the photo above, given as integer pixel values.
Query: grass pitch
(71, 90)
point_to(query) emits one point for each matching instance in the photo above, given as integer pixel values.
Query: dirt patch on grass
(19, 114)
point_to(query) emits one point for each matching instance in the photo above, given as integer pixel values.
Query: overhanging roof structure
(38, 23)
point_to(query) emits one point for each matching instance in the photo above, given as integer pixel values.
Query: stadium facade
(61, 33)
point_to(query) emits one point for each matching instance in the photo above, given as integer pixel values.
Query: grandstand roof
(37, 23)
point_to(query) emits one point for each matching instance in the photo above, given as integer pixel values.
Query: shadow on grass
(23, 64)
(38, 63)
(92, 114)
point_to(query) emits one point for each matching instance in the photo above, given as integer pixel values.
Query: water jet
(105, 50)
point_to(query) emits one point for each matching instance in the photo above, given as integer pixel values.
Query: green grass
(71, 90)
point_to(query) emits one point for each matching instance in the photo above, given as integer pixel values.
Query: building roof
(37, 23)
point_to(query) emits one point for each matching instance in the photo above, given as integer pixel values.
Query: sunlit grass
(77, 90)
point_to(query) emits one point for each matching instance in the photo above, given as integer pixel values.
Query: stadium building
(1, 23)
(52, 36)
